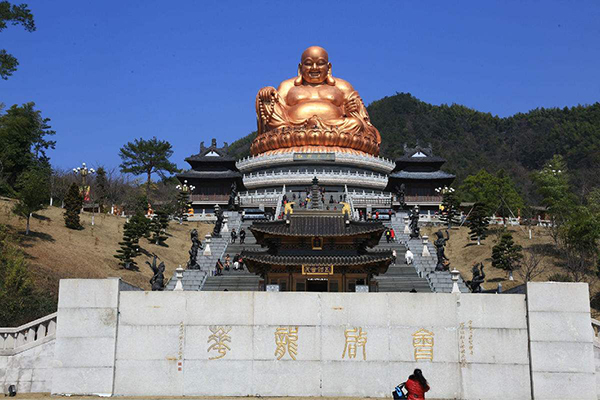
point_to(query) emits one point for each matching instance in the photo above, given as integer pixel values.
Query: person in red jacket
(416, 385)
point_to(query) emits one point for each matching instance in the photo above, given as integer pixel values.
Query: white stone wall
(157, 331)
(30, 370)
(165, 343)
(561, 341)
(86, 335)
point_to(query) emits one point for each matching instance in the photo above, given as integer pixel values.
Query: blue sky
(107, 72)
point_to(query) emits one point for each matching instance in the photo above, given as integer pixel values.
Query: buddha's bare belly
(321, 108)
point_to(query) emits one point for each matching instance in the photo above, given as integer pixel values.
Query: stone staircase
(235, 280)
(440, 282)
(400, 277)
(194, 279)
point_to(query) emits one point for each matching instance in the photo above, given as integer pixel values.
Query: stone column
(561, 341)
(86, 337)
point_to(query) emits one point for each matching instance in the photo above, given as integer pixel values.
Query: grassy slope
(56, 252)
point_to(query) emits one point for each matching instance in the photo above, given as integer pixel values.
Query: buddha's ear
(330, 81)
(298, 80)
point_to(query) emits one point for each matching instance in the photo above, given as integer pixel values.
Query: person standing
(233, 236)
(394, 254)
(388, 235)
(416, 385)
(393, 234)
(242, 236)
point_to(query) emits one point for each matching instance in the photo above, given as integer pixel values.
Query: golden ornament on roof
(313, 112)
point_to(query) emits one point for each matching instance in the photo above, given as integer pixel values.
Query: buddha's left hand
(351, 106)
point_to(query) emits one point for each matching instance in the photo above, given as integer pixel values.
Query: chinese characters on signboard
(355, 343)
(286, 338)
(423, 345)
(355, 338)
(219, 338)
(462, 341)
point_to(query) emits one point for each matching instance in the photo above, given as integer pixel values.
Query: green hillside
(471, 140)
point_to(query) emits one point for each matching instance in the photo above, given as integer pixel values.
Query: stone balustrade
(370, 199)
(14, 340)
(360, 160)
(280, 178)
(248, 199)
(596, 328)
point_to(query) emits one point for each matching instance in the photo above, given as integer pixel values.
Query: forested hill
(471, 140)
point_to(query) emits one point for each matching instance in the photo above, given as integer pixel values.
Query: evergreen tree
(147, 157)
(33, 194)
(73, 204)
(182, 206)
(101, 188)
(129, 246)
(450, 205)
(478, 223)
(506, 254)
(13, 15)
(140, 226)
(158, 227)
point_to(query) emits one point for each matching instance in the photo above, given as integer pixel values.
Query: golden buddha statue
(313, 111)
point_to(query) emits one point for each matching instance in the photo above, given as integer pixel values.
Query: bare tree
(532, 264)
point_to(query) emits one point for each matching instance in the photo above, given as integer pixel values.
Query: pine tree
(451, 211)
(158, 227)
(101, 188)
(507, 255)
(182, 206)
(478, 222)
(129, 246)
(73, 204)
(140, 225)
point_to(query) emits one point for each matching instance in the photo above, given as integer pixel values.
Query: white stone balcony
(364, 199)
(367, 161)
(340, 178)
(249, 199)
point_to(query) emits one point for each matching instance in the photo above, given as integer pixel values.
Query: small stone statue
(196, 245)
(158, 280)
(478, 278)
(443, 262)
(401, 194)
(414, 223)
(219, 222)
(232, 195)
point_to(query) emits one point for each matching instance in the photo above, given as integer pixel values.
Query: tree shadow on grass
(41, 217)
(33, 237)
(546, 249)
(495, 280)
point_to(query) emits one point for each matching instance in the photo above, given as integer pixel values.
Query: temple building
(212, 173)
(419, 170)
(318, 251)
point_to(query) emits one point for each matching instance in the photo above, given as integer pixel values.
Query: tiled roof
(422, 175)
(317, 225)
(209, 174)
(351, 260)
(427, 159)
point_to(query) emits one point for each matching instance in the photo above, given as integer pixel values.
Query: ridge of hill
(471, 140)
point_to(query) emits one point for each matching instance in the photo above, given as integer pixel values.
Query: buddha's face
(314, 65)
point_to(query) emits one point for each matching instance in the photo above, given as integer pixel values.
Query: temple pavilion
(419, 170)
(212, 173)
(318, 251)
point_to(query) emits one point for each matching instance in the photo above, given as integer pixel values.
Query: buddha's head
(314, 67)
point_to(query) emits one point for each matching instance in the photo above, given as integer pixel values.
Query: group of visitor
(390, 235)
(238, 264)
(234, 236)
